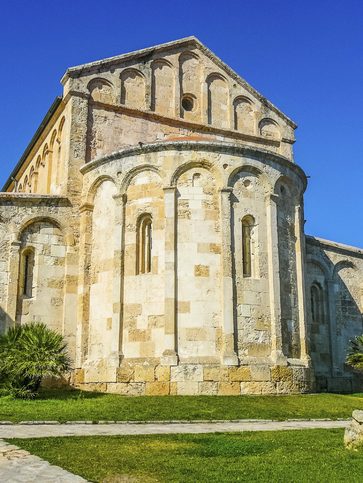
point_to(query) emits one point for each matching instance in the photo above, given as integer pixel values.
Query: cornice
(334, 246)
(260, 154)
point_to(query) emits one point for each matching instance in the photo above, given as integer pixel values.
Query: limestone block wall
(39, 265)
(179, 90)
(335, 306)
(198, 235)
(252, 309)
(182, 311)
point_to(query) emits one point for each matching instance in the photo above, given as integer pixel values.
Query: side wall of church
(335, 306)
(44, 171)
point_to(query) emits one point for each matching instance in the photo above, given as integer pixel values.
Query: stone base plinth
(136, 379)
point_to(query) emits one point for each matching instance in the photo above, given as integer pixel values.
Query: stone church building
(156, 220)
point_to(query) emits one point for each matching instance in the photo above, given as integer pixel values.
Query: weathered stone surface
(260, 373)
(187, 372)
(239, 374)
(157, 222)
(281, 374)
(229, 389)
(157, 388)
(144, 374)
(216, 373)
(353, 435)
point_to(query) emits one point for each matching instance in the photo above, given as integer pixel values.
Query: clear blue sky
(305, 56)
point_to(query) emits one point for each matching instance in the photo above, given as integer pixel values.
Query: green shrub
(28, 353)
(355, 354)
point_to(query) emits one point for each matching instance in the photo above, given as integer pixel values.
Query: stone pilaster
(13, 282)
(334, 338)
(277, 355)
(85, 248)
(170, 356)
(300, 279)
(228, 356)
(118, 284)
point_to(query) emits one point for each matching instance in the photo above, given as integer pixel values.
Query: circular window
(187, 103)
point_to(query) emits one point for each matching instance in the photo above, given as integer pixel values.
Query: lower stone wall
(135, 379)
(350, 383)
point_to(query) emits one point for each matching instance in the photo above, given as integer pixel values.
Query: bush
(28, 353)
(355, 354)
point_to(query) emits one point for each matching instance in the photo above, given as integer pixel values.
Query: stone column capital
(169, 189)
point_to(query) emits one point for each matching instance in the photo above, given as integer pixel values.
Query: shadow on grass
(68, 394)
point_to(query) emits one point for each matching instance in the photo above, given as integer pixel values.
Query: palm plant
(28, 353)
(355, 354)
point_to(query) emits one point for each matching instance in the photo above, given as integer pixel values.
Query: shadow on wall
(334, 316)
(5, 321)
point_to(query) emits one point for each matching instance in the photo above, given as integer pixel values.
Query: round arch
(135, 171)
(196, 164)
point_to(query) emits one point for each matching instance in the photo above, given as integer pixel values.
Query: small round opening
(282, 189)
(187, 103)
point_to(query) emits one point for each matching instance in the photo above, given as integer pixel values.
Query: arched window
(247, 245)
(27, 272)
(317, 304)
(144, 244)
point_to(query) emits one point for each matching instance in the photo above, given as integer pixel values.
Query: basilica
(156, 220)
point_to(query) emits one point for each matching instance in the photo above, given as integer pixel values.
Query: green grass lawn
(281, 456)
(78, 405)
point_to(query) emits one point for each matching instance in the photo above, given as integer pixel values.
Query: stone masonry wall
(335, 308)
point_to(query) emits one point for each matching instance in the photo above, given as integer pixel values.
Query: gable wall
(167, 95)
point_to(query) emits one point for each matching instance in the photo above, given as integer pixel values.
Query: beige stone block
(229, 388)
(216, 373)
(268, 388)
(162, 373)
(196, 334)
(239, 374)
(138, 335)
(201, 270)
(124, 374)
(156, 321)
(187, 372)
(208, 388)
(147, 349)
(183, 307)
(281, 373)
(287, 387)
(215, 248)
(130, 322)
(259, 350)
(173, 388)
(158, 388)
(144, 374)
(78, 376)
(260, 373)
(133, 310)
(188, 388)
(55, 283)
